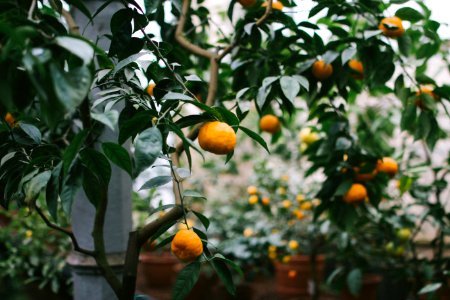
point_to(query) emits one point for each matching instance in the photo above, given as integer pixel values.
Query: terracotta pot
(369, 288)
(293, 279)
(156, 270)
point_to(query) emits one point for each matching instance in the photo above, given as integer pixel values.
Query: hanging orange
(357, 67)
(186, 245)
(270, 123)
(321, 70)
(392, 27)
(356, 193)
(387, 165)
(217, 137)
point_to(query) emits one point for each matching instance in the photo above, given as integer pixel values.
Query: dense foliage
(60, 92)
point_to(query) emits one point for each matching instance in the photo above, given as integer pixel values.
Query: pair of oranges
(322, 71)
(358, 192)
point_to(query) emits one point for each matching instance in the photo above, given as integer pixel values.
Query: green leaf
(347, 54)
(31, 131)
(97, 163)
(36, 184)
(224, 274)
(255, 137)
(409, 14)
(73, 149)
(76, 46)
(343, 143)
(343, 187)
(176, 96)
(186, 280)
(160, 208)
(431, 287)
(155, 182)
(193, 194)
(94, 188)
(354, 281)
(125, 62)
(118, 155)
(72, 182)
(108, 118)
(148, 147)
(202, 218)
(80, 5)
(52, 192)
(164, 242)
(230, 263)
(290, 87)
(71, 87)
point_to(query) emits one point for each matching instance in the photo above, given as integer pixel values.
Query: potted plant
(35, 256)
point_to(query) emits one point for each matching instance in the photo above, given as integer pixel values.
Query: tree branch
(151, 228)
(179, 34)
(99, 245)
(67, 232)
(266, 14)
(135, 242)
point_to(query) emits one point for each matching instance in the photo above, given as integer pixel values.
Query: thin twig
(67, 232)
(31, 10)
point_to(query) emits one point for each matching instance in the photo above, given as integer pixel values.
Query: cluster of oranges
(292, 247)
(255, 198)
(358, 192)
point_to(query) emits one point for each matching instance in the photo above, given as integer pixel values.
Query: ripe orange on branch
(387, 165)
(217, 137)
(150, 89)
(10, 119)
(356, 193)
(424, 90)
(357, 67)
(392, 27)
(275, 5)
(186, 245)
(321, 70)
(270, 123)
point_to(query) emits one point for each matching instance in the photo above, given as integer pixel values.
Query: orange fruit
(292, 274)
(356, 193)
(298, 214)
(286, 204)
(321, 70)
(357, 67)
(364, 176)
(265, 201)
(293, 245)
(217, 137)
(270, 123)
(424, 90)
(394, 27)
(248, 232)
(10, 119)
(150, 89)
(186, 245)
(252, 190)
(387, 165)
(247, 3)
(275, 5)
(306, 206)
(253, 199)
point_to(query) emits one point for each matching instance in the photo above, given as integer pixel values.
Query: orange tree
(53, 117)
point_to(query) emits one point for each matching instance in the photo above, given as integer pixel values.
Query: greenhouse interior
(215, 150)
